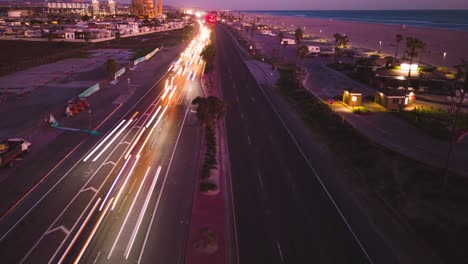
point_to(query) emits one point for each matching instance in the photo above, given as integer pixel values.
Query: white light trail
(128, 214)
(113, 139)
(78, 233)
(113, 184)
(142, 213)
(92, 233)
(125, 183)
(154, 116)
(160, 116)
(103, 141)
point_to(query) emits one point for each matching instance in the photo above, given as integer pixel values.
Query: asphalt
(45, 223)
(283, 212)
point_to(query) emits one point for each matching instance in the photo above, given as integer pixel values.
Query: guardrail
(89, 91)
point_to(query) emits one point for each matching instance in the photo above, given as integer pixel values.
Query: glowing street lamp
(443, 60)
(380, 45)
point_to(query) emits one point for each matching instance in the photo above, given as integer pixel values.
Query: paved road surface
(283, 213)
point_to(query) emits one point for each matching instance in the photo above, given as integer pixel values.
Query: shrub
(207, 186)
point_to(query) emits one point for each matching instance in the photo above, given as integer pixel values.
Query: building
(111, 4)
(95, 6)
(143, 8)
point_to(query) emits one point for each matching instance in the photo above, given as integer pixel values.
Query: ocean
(447, 19)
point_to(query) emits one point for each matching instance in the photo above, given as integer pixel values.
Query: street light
(443, 60)
(380, 45)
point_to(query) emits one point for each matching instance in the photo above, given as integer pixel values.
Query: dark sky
(320, 4)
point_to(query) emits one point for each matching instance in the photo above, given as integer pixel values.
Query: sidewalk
(384, 128)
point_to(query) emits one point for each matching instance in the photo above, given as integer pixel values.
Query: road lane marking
(280, 252)
(113, 184)
(260, 178)
(76, 235)
(61, 228)
(250, 142)
(162, 187)
(128, 214)
(142, 213)
(89, 189)
(95, 260)
(17, 203)
(104, 140)
(69, 204)
(96, 226)
(315, 174)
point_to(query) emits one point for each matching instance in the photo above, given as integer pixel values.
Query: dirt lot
(21, 55)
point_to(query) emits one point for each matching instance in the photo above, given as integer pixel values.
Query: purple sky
(321, 4)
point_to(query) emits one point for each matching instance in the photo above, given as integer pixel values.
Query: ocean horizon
(440, 19)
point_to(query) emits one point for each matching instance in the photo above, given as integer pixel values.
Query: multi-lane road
(287, 209)
(128, 199)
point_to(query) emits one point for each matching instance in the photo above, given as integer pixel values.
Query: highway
(285, 212)
(130, 192)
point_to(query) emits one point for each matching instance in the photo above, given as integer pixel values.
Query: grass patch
(410, 187)
(435, 123)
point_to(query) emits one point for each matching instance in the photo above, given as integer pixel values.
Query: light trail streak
(80, 230)
(92, 233)
(114, 138)
(113, 184)
(142, 213)
(128, 214)
(134, 143)
(104, 140)
(125, 183)
(154, 116)
(160, 116)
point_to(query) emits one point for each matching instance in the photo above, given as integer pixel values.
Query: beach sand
(368, 36)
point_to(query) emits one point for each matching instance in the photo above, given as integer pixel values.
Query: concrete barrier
(144, 58)
(119, 73)
(89, 91)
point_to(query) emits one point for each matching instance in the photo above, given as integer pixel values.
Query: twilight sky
(319, 4)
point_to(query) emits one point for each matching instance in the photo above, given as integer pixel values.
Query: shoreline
(368, 35)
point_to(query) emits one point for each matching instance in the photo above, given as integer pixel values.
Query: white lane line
(78, 162)
(62, 228)
(260, 178)
(69, 204)
(78, 233)
(109, 162)
(250, 141)
(162, 187)
(89, 189)
(142, 213)
(95, 260)
(104, 140)
(280, 252)
(128, 214)
(315, 173)
(113, 139)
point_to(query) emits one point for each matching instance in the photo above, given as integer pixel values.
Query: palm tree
(280, 36)
(298, 35)
(398, 39)
(423, 50)
(303, 51)
(337, 37)
(111, 68)
(412, 46)
(462, 74)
